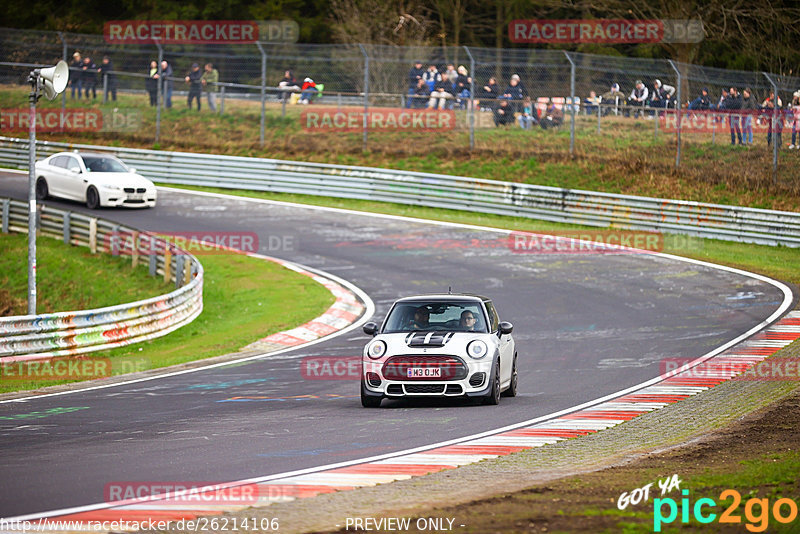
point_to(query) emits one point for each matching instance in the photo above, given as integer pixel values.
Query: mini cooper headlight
(477, 349)
(376, 349)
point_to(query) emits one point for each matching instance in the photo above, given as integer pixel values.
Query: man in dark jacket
(109, 78)
(75, 68)
(89, 76)
(488, 95)
(195, 80)
(702, 102)
(749, 109)
(414, 76)
(503, 114)
(733, 104)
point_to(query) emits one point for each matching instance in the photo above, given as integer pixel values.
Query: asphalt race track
(585, 326)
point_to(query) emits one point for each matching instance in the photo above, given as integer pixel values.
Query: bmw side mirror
(76, 170)
(370, 328)
(506, 328)
(132, 170)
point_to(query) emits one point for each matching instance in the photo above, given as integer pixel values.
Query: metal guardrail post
(471, 110)
(159, 91)
(263, 88)
(679, 111)
(572, 103)
(66, 227)
(366, 95)
(179, 271)
(774, 128)
(153, 267)
(222, 101)
(6, 206)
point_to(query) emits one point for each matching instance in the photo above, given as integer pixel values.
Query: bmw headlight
(376, 349)
(111, 187)
(477, 349)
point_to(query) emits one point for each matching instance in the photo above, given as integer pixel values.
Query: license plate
(424, 372)
(135, 196)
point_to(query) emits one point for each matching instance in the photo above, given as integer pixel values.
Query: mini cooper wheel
(42, 191)
(92, 198)
(368, 401)
(493, 397)
(512, 387)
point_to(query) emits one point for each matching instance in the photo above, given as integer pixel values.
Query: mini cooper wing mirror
(505, 328)
(370, 328)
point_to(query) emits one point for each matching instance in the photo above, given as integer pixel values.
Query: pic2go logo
(756, 511)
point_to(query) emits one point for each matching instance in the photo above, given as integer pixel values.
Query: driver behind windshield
(420, 320)
(468, 321)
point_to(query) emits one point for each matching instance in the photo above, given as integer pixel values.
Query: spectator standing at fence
(432, 77)
(289, 84)
(503, 114)
(723, 97)
(488, 92)
(195, 80)
(733, 104)
(89, 77)
(527, 119)
(638, 98)
(108, 78)
(463, 81)
(414, 75)
(771, 107)
(166, 83)
(795, 119)
(210, 80)
(610, 98)
(151, 82)
(75, 74)
(308, 91)
(702, 102)
(748, 110)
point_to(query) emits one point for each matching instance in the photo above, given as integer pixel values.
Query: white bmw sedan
(96, 179)
(441, 346)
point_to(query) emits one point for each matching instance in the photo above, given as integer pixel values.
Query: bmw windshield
(100, 164)
(435, 316)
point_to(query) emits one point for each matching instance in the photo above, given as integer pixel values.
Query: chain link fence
(365, 94)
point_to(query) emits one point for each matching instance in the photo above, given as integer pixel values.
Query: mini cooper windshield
(436, 316)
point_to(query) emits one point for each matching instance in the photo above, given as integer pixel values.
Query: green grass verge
(782, 263)
(244, 299)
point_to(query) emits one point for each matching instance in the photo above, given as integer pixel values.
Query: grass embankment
(625, 157)
(244, 299)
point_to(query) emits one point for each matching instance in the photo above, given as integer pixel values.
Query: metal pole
(105, 87)
(222, 101)
(263, 88)
(64, 53)
(679, 111)
(159, 91)
(572, 104)
(599, 108)
(471, 110)
(33, 97)
(774, 128)
(366, 94)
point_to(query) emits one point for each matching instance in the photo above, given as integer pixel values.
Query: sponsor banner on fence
(68, 368)
(197, 243)
(771, 369)
(182, 493)
(386, 119)
(586, 242)
(608, 31)
(71, 120)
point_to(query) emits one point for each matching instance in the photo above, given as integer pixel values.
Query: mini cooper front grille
(477, 379)
(408, 368)
(425, 388)
(373, 379)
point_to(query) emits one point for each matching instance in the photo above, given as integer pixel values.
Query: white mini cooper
(441, 346)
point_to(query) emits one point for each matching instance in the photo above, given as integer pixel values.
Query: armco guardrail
(27, 337)
(715, 221)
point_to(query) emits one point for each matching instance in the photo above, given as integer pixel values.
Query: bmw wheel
(42, 191)
(92, 198)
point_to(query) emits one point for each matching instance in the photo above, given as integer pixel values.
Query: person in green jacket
(210, 79)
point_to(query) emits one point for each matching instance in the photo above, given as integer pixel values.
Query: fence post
(471, 110)
(599, 111)
(679, 111)
(6, 206)
(153, 267)
(774, 128)
(64, 53)
(105, 88)
(222, 101)
(572, 103)
(366, 94)
(179, 270)
(66, 228)
(263, 87)
(159, 91)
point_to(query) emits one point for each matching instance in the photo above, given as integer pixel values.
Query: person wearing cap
(195, 80)
(610, 98)
(702, 102)
(661, 96)
(309, 89)
(75, 67)
(514, 93)
(637, 99)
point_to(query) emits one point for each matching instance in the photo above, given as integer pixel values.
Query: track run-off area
(586, 326)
